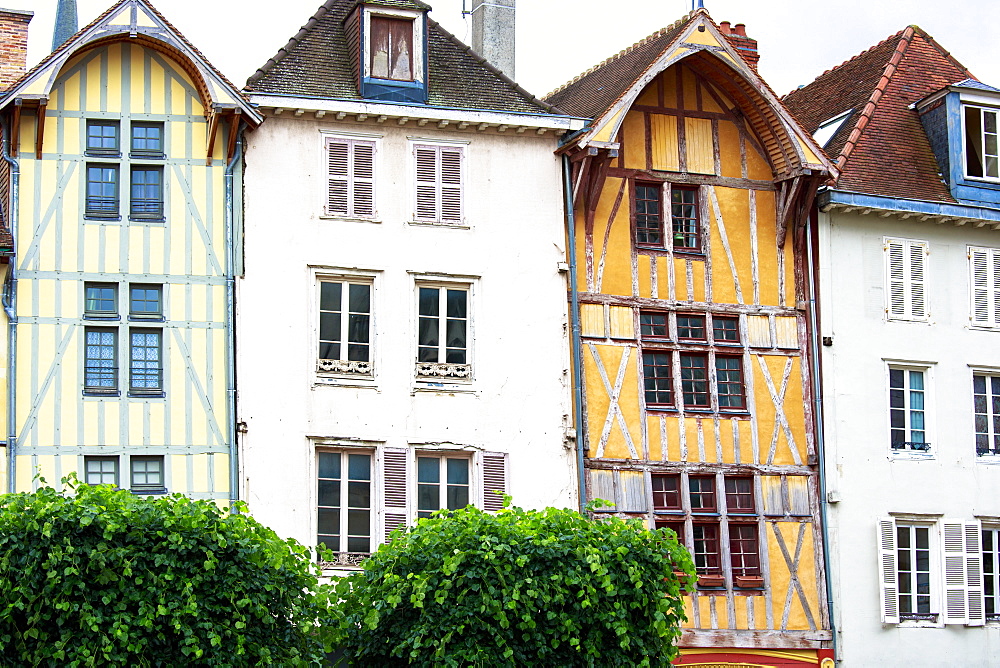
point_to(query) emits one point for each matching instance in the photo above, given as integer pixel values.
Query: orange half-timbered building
(691, 192)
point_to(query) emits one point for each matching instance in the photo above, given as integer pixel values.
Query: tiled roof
(316, 63)
(978, 85)
(883, 149)
(597, 89)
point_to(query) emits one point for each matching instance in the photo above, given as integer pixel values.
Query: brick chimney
(493, 33)
(13, 45)
(747, 46)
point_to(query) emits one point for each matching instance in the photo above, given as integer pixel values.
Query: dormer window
(982, 156)
(392, 48)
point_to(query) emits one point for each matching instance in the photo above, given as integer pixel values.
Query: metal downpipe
(10, 308)
(230, 218)
(575, 333)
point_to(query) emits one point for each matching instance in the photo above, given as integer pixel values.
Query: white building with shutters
(403, 340)
(908, 260)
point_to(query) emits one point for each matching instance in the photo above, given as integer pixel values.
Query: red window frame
(740, 495)
(735, 329)
(657, 378)
(705, 495)
(650, 328)
(744, 549)
(706, 548)
(685, 219)
(648, 215)
(730, 385)
(687, 332)
(695, 386)
(666, 491)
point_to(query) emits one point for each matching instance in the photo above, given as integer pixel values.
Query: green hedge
(520, 588)
(102, 577)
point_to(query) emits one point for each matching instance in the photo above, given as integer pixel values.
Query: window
(913, 555)
(100, 360)
(685, 223)
(653, 325)
(344, 500)
(145, 361)
(100, 300)
(991, 573)
(147, 193)
(657, 378)
(102, 191)
(907, 411)
(442, 483)
(145, 301)
(694, 381)
(729, 382)
(147, 474)
(691, 327)
(102, 138)
(345, 327)
(984, 270)
(442, 331)
(986, 405)
(725, 330)
(981, 150)
(906, 279)
(648, 215)
(351, 178)
(147, 139)
(684, 214)
(719, 533)
(439, 184)
(391, 48)
(100, 470)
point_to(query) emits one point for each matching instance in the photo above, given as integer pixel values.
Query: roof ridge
(629, 49)
(489, 66)
(285, 50)
(856, 56)
(891, 66)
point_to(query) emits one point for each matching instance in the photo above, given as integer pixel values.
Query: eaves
(938, 212)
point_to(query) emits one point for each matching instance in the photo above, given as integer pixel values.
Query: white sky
(558, 39)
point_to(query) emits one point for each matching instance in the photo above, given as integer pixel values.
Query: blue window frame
(147, 139)
(145, 301)
(100, 300)
(147, 193)
(102, 191)
(102, 138)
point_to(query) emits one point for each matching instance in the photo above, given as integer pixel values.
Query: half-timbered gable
(123, 172)
(692, 187)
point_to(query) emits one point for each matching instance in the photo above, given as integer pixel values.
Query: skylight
(827, 129)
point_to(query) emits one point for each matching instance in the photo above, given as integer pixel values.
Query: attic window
(982, 158)
(391, 48)
(827, 129)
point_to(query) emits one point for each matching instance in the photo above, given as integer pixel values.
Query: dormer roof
(317, 63)
(882, 149)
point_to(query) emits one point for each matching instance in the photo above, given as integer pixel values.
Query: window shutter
(956, 598)
(451, 185)
(338, 159)
(906, 267)
(631, 492)
(974, 573)
(602, 486)
(494, 480)
(918, 303)
(394, 488)
(889, 579)
(364, 179)
(984, 265)
(427, 183)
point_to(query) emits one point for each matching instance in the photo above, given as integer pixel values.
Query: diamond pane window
(100, 368)
(145, 363)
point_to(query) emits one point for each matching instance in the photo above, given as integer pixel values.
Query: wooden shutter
(451, 185)
(364, 179)
(956, 597)
(974, 573)
(906, 274)
(631, 492)
(427, 182)
(984, 265)
(394, 488)
(888, 576)
(339, 171)
(602, 486)
(494, 480)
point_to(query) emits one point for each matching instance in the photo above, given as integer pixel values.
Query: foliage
(102, 577)
(519, 588)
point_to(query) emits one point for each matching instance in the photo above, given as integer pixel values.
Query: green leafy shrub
(103, 577)
(520, 588)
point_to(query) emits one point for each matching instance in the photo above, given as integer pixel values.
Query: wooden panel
(663, 141)
(602, 485)
(787, 332)
(798, 495)
(622, 322)
(759, 331)
(774, 503)
(700, 146)
(729, 150)
(592, 320)
(631, 492)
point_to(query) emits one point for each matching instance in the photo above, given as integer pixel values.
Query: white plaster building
(908, 260)
(403, 337)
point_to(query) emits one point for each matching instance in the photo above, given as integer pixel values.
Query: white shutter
(494, 480)
(906, 278)
(451, 185)
(974, 573)
(427, 183)
(984, 267)
(955, 580)
(888, 576)
(394, 487)
(364, 179)
(339, 174)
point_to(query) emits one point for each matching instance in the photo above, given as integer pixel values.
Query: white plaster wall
(519, 402)
(868, 480)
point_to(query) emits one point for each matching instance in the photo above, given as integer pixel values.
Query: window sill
(142, 318)
(691, 255)
(102, 154)
(154, 221)
(694, 412)
(351, 219)
(140, 155)
(443, 388)
(105, 318)
(434, 223)
(989, 460)
(155, 394)
(102, 219)
(102, 393)
(152, 491)
(351, 382)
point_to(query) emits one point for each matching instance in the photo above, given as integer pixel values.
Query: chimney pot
(493, 33)
(725, 27)
(740, 29)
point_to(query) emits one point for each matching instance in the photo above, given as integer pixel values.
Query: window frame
(438, 184)
(374, 507)
(146, 316)
(991, 415)
(660, 227)
(989, 295)
(137, 206)
(994, 552)
(907, 451)
(352, 182)
(443, 457)
(145, 153)
(966, 139)
(101, 152)
(418, 44)
(102, 207)
(909, 286)
(114, 460)
(97, 314)
(148, 488)
(344, 366)
(698, 232)
(442, 370)
(88, 369)
(156, 390)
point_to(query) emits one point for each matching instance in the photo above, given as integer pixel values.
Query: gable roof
(882, 149)
(140, 22)
(317, 63)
